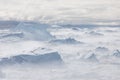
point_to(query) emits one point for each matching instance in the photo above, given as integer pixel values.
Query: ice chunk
(95, 33)
(48, 58)
(26, 31)
(116, 53)
(66, 41)
(20, 35)
(34, 31)
(91, 57)
(101, 49)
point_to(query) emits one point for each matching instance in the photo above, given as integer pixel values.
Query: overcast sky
(62, 11)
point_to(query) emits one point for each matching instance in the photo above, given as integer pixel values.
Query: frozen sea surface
(97, 58)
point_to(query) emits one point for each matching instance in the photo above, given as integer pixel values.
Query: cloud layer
(62, 11)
